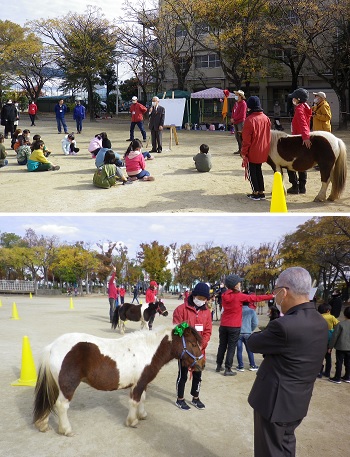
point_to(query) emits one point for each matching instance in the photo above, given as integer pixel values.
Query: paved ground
(177, 188)
(224, 428)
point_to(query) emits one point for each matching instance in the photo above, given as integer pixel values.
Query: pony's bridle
(186, 351)
(159, 311)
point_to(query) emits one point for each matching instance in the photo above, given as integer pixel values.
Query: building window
(180, 31)
(207, 61)
(292, 17)
(201, 29)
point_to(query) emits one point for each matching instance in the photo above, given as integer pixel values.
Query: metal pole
(117, 96)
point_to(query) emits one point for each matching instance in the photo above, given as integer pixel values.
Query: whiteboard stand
(173, 132)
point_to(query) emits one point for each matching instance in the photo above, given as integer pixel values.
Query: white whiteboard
(174, 110)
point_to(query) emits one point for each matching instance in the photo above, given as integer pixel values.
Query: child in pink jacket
(135, 162)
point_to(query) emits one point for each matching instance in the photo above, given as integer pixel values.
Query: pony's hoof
(66, 433)
(43, 428)
(330, 199)
(131, 423)
(142, 416)
(318, 200)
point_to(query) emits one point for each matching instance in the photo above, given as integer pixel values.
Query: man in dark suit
(293, 346)
(156, 124)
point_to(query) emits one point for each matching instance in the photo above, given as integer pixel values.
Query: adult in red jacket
(231, 321)
(196, 314)
(112, 294)
(151, 297)
(300, 126)
(256, 139)
(137, 111)
(239, 113)
(32, 110)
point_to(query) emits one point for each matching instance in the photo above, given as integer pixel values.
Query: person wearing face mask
(196, 313)
(321, 113)
(137, 111)
(300, 126)
(293, 347)
(156, 124)
(231, 321)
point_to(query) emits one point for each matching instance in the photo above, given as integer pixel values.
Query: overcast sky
(131, 230)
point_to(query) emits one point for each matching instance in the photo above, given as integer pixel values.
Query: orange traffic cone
(278, 200)
(28, 371)
(71, 306)
(14, 312)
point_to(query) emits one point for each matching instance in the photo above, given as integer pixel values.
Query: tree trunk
(90, 89)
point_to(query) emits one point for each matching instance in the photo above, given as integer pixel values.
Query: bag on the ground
(105, 176)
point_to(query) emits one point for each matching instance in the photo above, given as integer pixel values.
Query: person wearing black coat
(293, 347)
(156, 124)
(9, 114)
(336, 303)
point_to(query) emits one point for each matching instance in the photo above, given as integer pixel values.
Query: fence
(16, 286)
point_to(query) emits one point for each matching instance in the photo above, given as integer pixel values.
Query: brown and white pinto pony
(109, 364)
(137, 313)
(327, 151)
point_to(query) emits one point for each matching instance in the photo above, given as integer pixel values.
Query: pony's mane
(150, 336)
(275, 136)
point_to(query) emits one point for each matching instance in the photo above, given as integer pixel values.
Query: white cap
(320, 94)
(134, 97)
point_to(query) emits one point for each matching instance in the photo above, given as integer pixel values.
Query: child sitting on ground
(135, 162)
(3, 153)
(37, 161)
(23, 151)
(107, 175)
(95, 145)
(17, 132)
(69, 145)
(202, 160)
(37, 138)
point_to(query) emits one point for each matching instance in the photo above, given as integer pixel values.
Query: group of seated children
(108, 163)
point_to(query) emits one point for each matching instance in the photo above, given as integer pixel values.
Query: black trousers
(228, 337)
(342, 356)
(274, 439)
(156, 136)
(255, 177)
(182, 378)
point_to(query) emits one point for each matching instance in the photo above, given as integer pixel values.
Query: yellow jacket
(322, 117)
(38, 156)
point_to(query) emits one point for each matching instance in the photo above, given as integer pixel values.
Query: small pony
(135, 313)
(109, 364)
(328, 151)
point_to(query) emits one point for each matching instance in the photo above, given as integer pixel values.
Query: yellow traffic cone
(28, 370)
(0, 303)
(14, 312)
(30, 295)
(71, 306)
(278, 200)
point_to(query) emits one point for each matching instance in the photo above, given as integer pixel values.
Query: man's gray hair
(156, 98)
(297, 279)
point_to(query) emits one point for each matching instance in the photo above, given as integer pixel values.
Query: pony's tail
(46, 391)
(339, 172)
(115, 318)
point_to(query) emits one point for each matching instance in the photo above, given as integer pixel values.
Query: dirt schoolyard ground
(224, 428)
(178, 186)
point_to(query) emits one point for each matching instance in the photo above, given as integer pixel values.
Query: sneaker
(128, 181)
(129, 139)
(236, 153)
(182, 405)
(253, 368)
(344, 379)
(218, 368)
(147, 178)
(150, 158)
(229, 372)
(262, 196)
(335, 380)
(56, 167)
(197, 403)
(254, 196)
(240, 368)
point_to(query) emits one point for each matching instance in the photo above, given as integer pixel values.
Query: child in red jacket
(196, 314)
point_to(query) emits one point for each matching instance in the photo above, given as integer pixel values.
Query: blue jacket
(249, 320)
(79, 112)
(60, 110)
